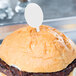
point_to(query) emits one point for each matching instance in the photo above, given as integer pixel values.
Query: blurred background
(11, 11)
(60, 14)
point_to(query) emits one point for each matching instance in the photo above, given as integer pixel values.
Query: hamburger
(27, 52)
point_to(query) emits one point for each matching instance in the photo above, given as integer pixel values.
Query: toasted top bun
(45, 51)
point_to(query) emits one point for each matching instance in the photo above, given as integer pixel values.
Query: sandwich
(26, 52)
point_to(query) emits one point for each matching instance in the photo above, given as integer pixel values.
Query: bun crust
(45, 51)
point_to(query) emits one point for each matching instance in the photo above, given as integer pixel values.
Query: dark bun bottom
(13, 71)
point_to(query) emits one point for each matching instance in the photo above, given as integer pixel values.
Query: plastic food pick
(34, 15)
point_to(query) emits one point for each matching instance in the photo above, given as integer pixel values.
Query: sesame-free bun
(45, 51)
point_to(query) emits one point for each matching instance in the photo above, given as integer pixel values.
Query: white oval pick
(34, 15)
